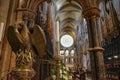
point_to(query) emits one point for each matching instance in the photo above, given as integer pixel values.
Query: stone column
(6, 17)
(57, 54)
(58, 64)
(96, 51)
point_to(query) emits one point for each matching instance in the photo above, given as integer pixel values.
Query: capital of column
(93, 12)
(96, 49)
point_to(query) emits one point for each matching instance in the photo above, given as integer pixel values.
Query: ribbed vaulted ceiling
(69, 15)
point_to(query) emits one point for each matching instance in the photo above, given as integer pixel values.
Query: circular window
(66, 41)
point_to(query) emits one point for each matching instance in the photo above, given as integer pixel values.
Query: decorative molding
(96, 49)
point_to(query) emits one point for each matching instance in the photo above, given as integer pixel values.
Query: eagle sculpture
(23, 43)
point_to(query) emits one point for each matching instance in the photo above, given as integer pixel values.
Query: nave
(60, 40)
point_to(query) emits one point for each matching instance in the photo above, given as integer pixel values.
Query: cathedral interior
(60, 40)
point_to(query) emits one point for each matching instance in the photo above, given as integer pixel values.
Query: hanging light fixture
(109, 58)
(115, 56)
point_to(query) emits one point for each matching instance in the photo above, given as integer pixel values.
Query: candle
(1, 30)
(57, 31)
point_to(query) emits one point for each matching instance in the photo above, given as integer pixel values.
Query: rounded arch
(69, 20)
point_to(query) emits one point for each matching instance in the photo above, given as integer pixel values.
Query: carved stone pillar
(58, 61)
(23, 70)
(96, 51)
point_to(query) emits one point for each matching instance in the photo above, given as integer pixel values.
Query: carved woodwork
(22, 42)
